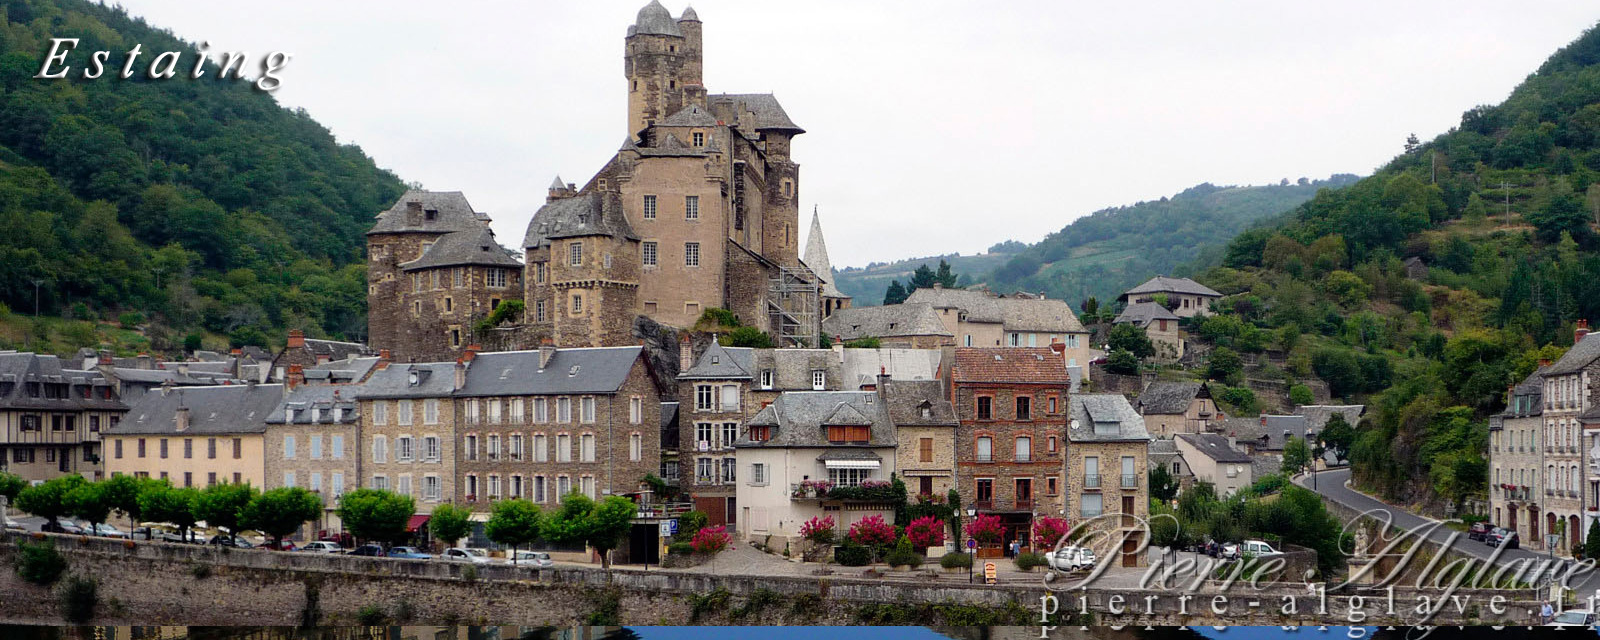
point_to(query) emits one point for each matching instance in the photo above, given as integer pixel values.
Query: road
(1331, 485)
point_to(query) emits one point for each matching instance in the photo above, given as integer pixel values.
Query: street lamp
(1313, 462)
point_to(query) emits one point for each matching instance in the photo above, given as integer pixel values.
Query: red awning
(416, 522)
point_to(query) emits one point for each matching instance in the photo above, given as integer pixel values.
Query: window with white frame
(649, 207)
(431, 488)
(635, 447)
(472, 411)
(541, 448)
(518, 416)
(758, 474)
(336, 447)
(691, 207)
(430, 411)
(336, 483)
(495, 278)
(541, 410)
(575, 254)
(819, 380)
(649, 254)
(288, 448)
(730, 468)
(563, 487)
(587, 482)
(430, 448)
(494, 446)
(538, 489)
(691, 254)
(848, 477)
(704, 473)
(703, 432)
(587, 405)
(515, 442)
(402, 412)
(705, 397)
(516, 486)
(563, 448)
(494, 411)
(470, 443)
(494, 486)
(380, 482)
(730, 398)
(564, 410)
(380, 449)
(402, 449)
(402, 484)
(316, 447)
(635, 410)
(380, 412)
(730, 433)
(766, 379)
(586, 448)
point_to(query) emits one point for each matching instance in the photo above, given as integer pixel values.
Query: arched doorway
(1574, 535)
(1550, 523)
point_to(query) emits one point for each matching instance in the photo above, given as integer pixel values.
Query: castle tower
(816, 257)
(583, 262)
(662, 64)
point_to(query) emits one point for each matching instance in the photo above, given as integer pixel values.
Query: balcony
(1130, 481)
(1024, 504)
(984, 458)
(983, 505)
(1091, 481)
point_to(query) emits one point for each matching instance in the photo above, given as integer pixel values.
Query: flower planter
(906, 568)
(991, 552)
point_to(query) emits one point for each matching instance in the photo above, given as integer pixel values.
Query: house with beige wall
(980, 318)
(1186, 298)
(1212, 459)
(910, 325)
(1173, 407)
(1160, 325)
(195, 436)
(925, 430)
(52, 418)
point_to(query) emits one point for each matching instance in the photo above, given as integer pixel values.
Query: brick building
(1012, 406)
(52, 418)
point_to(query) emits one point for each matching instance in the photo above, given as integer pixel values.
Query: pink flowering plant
(711, 540)
(986, 529)
(812, 489)
(818, 530)
(924, 532)
(872, 531)
(1048, 531)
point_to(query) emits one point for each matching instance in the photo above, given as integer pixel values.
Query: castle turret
(559, 190)
(662, 63)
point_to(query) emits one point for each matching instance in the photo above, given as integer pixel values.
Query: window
(316, 482)
(730, 398)
(403, 412)
(493, 406)
(730, 468)
(336, 482)
(1024, 492)
(188, 448)
(985, 449)
(730, 433)
(1050, 486)
(1130, 479)
(586, 409)
(1089, 505)
(402, 449)
(164, 449)
(758, 474)
(380, 449)
(516, 486)
(649, 248)
(766, 379)
(1051, 444)
(472, 487)
(541, 410)
(985, 408)
(1024, 408)
(586, 446)
(575, 254)
(819, 380)
(635, 447)
(1091, 472)
(541, 450)
(316, 447)
(117, 448)
(430, 449)
(563, 410)
(635, 410)
(460, 275)
(649, 207)
(1024, 449)
(563, 448)
(704, 395)
(516, 446)
(577, 303)
(849, 433)
(985, 491)
(691, 254)
(141, 448)
(380, 483)
(337, 446)
(288, 448)
(288, 479)
(430, 411)
(925, 450)
(702, 471)
(563, 487)
(380, 412)
(495, 278)
(402, 484)
(699, 139)
(587, 482)
(211, 448)
(702, 434)
(691, 207)
(431, 488)
(538, 488)
(494, 446)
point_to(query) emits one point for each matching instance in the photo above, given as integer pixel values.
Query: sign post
(972, 554)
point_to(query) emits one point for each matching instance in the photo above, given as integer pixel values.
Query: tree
(280, 512)
(515, 522)
(750, 337)
(922, 278)
(1337, 435)
(896, 293)
(600, 525)
(1129, 337)
(1412, 143)
(163, 502)
(1122, 362)
(49, 500)
(122, 492)
(924, 532)
(1562, 212)
(711, 540)
(223, 506)
(1224, 364)
(375, 514)
(1163, 486)
(450, 523)
(1048, 532)
(10, 486)
(1591, 546)
(1300, 394)
(945, 277)
(89, 502)
(1296, 455)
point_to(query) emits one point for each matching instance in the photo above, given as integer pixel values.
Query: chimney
(685, 353)
(1583, 330)
(414, 213)
(183, 368)
(297, 339)
(547, 350)
(146, 362)
(236, 352)
(461, 374)
(1233, 441)
(181, 419)
(471, 352)
(296, 377)
(1263, 420)
(166, 387)
(1544, 362)
(104, 359)
(838, 348)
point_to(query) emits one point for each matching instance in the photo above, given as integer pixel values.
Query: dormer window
(699, 138)
(819, 380)
(430, 215)
(413, 378)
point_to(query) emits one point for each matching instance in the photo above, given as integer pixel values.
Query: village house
(925, 430)
(814, 454)
(1164, 453)
(1213, 459)
(409, 432)
(1516, 463)
(1011, 403)
(1569, 389)
(52, 418)
(1183, 296)
(1171, 408)
(1107, 470)
(195, 436)
(313, 352)
(908, 325)
(317, 428)
(1160, 325)
(979, 318)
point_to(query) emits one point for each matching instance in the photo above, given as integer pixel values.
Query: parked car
(1479, 530)
(322, 546)
(1573, 618)
(409, 553)
(473, 556)
(193, 537)
(108, 531)
(1502, 536)
(1228, 551)
(286, 545)
(1258, 549)
(368, 550)
(225, 541)
(535, 559)
(1071, 558)
(61, 526)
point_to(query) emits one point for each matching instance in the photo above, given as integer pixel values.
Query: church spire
(816, 257)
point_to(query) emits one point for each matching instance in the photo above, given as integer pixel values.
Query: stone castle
(698, 209)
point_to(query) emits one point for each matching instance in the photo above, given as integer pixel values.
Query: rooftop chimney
(236, 352)
(1583, 330)
(1263, 420)
(1544, 362)
(181, 419)
(296, 377)
(547, 350)
(297, 339)
(471, 352)
(461, 374)
(685, 353)
(838, 347)
(104, 358)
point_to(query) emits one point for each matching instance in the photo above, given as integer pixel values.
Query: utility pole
(1506, 187)
(37, 282)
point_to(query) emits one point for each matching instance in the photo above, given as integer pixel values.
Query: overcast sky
(933, 126)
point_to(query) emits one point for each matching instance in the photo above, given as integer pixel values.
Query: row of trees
(231, 507)
(922, 278)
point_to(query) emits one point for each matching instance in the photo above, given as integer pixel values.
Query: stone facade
(1516, 463)
(1186, 298)
(408, 432)
(1107, 469)
(925, 428)
(312, 441)
(1570, 388)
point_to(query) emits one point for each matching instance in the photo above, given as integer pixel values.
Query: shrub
(1300, 394)
(903, 555)
(1028, 560)
(680, 549)
(872, 531)
(818, 530)
(79, 598)
(372, 616)
(1048, 530)
(711, 540)
(851, 554)
(691, 523)
(985, 529)
(130, 319)
(927, 531)
(40, 563)
(200, 571)
(955, 561)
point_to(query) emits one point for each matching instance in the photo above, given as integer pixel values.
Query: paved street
(1331, 484)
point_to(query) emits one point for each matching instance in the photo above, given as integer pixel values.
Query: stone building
(434, 271)
(195, 436)
(1107, 469)
(1569, 391)
(1186, 298)
(909, 325)
(312, 352)
(1516, 462)
(52, 418)
(715, 402)
(544, 423)
(409, 431)
(698, 209)
(925, 430)
(816, 257)
(1160, 325)
(1171, 407)
(979, 318)
(1012, 406)
(313, 442)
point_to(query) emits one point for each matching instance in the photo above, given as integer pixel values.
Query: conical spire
(558, 185)
(816, 257)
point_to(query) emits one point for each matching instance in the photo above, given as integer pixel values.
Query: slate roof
(1085, 409)
(768, 113)
(862, 366)
(1168, 398)
(599, 370)
(1143, 313)
(1579, 356)
(1027, 365)
(1215, 447)
(689, 14)
(464, 248)
(324, 398)
(19, 368)
(722, 363)
(1533, 388)
(691, 116)
(455, 214)
(800, 419)
(433, 380)
(1163, 284)
(816, 259)
(227, 409)
(669, 146)
(155, 377)
(886, 321)
(351, 369)
(1265, 437)
(1317, 415)
(1017, 313)
(586, 214)
(791, 368)
(907, 398)
(655, 19)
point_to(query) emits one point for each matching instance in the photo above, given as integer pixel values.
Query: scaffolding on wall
(792, 307)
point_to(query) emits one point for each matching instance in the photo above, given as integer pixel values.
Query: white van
(1071, 558)
(1258, 549)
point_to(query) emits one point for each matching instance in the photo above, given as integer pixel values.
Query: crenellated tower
(662, 66)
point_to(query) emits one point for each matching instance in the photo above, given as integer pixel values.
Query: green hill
(176, 206)
(1502, 212)
(867, 284)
